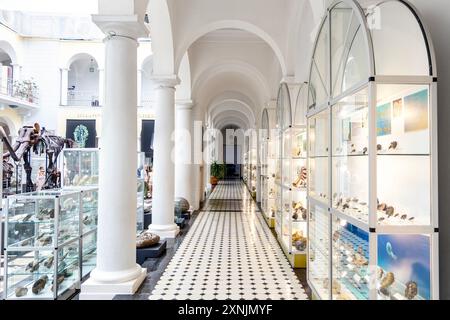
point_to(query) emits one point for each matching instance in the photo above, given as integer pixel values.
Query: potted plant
(26, 90)
(217, 173)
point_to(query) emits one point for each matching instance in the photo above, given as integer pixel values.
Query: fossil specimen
(387, 281)
(295, 216)
(21, 291)
(393, 145)
(379, 147)
(403, 217)
(39, 285)
(380, 273)
(146, 239)
(87, 220)
(411, 219)
(365, 150)
(345, 206)
(382, 207)
(411, 290)
(45, 241)
(27, 218)
(49, 262)
(390, 211)
(59, 280)
(33, 265)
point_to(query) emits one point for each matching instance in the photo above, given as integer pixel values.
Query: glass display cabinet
(42, 245)
(140, 193)
(372, 128)
(79, 168)
(80, 171)
(292, 221)
(88, 230)
(268, 168)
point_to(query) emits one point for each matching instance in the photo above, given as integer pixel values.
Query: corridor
(229, 253)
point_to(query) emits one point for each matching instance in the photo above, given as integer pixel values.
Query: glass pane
(321, 54)
(351, 278)
(318, 127)
(30, 274)
(404, 267)
(301, 107)
(69, 218)
(68, 275)
(403, 162)
(350, 57)
(398, 41)
(30, 223)
(319, 256)
(89, 200)
(89, 253)
(350, 186)
(317, 91)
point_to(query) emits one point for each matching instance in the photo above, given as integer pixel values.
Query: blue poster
(384, 120)
(408, 258)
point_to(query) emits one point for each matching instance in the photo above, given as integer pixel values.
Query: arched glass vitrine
(372, 155)
(268, 157)
(291, 217)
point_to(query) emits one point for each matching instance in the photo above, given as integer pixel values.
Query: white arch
(232, 120)
(232, 105)
(81, 55)
(148, 59)
(231, 66)
(162, 38)
(8, 48)
(184, 89)
(233, 24)
(12, 128)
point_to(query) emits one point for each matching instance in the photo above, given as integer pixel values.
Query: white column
(163, 218)
(17, 72)
(184, 183)
(101, 87)
(139, 88)
(116, 271)
(64, 85)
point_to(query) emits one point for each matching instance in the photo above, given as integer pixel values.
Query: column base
(165, 231)
(94, 290)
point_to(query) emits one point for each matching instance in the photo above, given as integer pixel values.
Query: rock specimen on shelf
(39, 285)
(59, 280)
(49, 262)
(21, 291)
(393, 145)
(146, 240)
(411, 290)
(386, 282)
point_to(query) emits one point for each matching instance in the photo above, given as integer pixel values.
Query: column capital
(166, 81)
(127, 26)
(184, 104)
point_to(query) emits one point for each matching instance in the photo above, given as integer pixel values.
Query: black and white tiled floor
(229, 253)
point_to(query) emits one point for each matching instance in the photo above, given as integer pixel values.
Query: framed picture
(83, 132)
(408, 258)
(384, 120)
(397, 106)
(346, 130)
(416, 111)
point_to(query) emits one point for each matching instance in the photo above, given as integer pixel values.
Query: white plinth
(93, 290)
(165, 232)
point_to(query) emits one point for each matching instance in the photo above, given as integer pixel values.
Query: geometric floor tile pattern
(229, 254)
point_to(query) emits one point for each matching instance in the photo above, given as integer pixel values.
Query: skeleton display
(33, 139)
